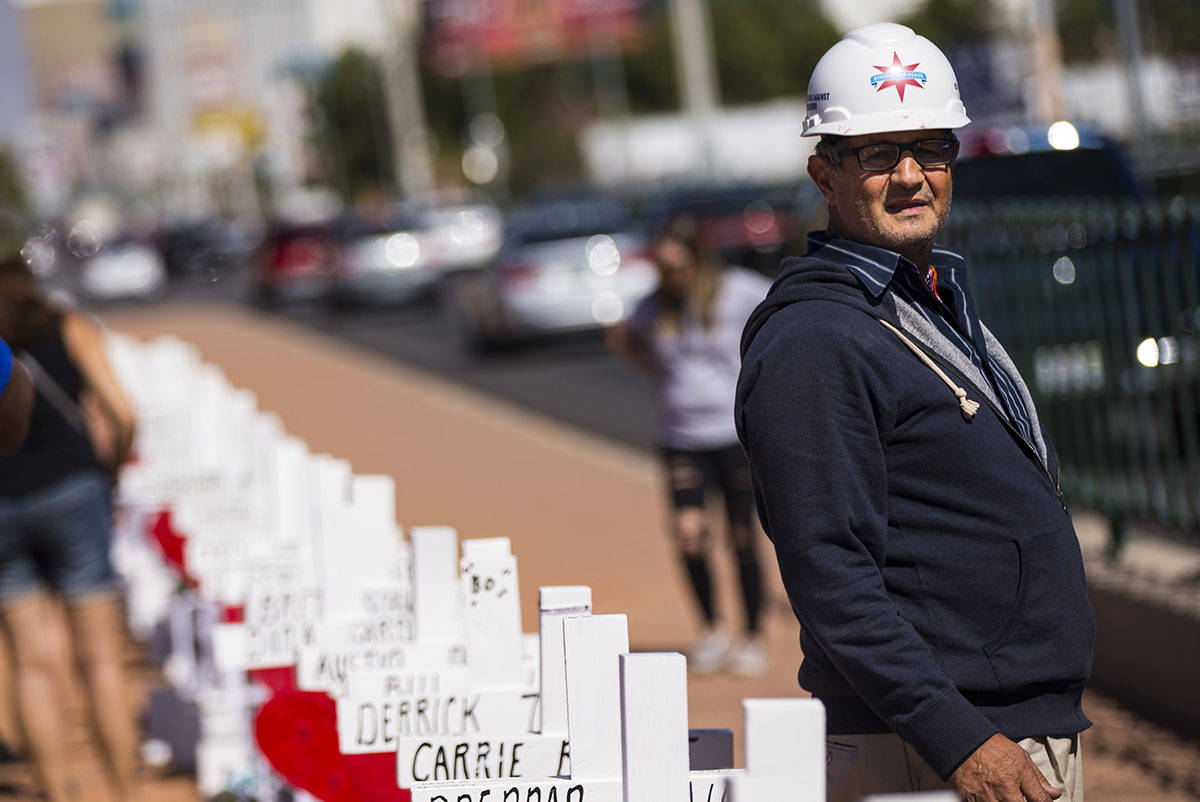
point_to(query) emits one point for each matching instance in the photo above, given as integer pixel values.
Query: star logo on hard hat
(898, 75)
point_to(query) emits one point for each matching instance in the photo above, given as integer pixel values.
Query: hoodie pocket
(1018, 606)
(1048, 639)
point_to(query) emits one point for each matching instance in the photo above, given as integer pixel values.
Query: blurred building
(339, 24)
(71, 46)
(66, 52)
(750, 144)
(222, 99)
(1170, 95)
(15, 81)
(849, 14)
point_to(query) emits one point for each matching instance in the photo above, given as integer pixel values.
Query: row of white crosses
(623, 718)
(231, 479)
(464, 667)
(421, 650)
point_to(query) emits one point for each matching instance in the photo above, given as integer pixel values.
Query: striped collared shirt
(951, 311)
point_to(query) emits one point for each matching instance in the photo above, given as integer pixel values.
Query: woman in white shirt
(685, 336)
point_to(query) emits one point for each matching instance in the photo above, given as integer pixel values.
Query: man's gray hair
(829, 148)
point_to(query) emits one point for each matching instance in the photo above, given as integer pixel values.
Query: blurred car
(124, 267)
(752, 225)
(383, 259)
(462, 236)
(1039, 161)
(205, 248)
(296, 261)
(566, 266)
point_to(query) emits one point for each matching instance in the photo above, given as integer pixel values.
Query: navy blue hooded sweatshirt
(928, 556)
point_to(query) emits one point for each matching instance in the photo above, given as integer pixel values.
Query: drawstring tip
(969, 407)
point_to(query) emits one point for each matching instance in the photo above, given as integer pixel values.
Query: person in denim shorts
(54, 535)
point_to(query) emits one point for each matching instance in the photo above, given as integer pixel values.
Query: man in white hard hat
(900, 468)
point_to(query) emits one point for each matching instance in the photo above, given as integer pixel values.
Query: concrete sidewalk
(579, 510)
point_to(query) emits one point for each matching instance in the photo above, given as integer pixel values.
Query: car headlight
(401, 251)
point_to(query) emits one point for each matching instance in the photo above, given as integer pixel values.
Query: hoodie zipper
(1003, 418)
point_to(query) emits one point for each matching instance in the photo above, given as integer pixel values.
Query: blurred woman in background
(54, 534)
(686, 335)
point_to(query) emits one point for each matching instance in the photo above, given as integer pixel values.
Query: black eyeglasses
(879, 157)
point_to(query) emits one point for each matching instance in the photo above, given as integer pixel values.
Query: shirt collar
(876, 267)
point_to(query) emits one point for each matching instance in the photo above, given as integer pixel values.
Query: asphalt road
(575, 379)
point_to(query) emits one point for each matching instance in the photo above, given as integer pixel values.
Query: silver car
(566, 266)
(382, 260)
(461, 236)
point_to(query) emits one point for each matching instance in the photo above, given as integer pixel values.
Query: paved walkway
(579, 510)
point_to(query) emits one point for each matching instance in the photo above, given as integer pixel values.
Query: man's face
(900, 209)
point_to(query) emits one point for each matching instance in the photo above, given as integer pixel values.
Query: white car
(124, 268)
(461, 237)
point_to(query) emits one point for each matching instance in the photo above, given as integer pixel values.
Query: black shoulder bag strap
(53, 392)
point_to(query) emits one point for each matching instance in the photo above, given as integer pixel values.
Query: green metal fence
(1099, 305)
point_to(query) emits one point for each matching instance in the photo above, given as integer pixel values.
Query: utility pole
(1047, 61)
(1131, 48)
(406, 107)
(695, 70)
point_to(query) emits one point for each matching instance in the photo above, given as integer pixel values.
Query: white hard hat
(882, 77)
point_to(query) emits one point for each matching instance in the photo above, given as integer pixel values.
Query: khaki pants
(860, 765)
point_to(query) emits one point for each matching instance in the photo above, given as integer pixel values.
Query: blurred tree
(446, 116)
(767, 48)
(12, 187)
(445, 111)
(544, 107)
(1171, 27)
(650, 66)
(764, 49)
(954, 22)
(14, 205)
(1087, 30)
(352, 127)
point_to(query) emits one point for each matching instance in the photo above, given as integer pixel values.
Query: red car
(297, 261)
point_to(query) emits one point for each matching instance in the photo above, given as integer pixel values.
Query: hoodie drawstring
(969, 407)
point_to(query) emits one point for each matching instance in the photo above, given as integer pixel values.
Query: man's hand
(1001, 771)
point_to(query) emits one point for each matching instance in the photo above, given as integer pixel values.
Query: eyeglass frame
(901, 149)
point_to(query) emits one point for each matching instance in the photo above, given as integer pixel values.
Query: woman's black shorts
(691, 474)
